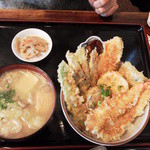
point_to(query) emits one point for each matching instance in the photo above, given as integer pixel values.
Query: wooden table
(89, 17)
(67, 16)
(73, 16)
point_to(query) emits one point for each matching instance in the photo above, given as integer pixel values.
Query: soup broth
(26, 103)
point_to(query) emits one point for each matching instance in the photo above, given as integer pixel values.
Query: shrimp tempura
(107, 112)
(108, 60)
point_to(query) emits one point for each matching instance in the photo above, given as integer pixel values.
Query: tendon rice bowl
(104, 96)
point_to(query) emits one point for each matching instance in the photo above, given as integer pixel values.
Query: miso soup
(26, 103)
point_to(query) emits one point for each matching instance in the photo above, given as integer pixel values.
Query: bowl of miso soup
(27, 100)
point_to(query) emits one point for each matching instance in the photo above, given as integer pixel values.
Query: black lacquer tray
(67, 37)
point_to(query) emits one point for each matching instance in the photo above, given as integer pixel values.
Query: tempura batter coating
(113, 132)
(131, 74)
(73, 62)
(81, 55)
(79, 115)
(93, 67)
(102, 98)
(70, 90)
(80, 78)
(93, 95)
(115, 81)
(108, 60)
(107, 112)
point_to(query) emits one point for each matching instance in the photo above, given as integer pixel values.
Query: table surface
(68, 16)
(86, 17)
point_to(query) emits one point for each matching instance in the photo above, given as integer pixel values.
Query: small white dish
(32, 32)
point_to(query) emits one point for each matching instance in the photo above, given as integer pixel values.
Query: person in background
(108, 7)
(104, 7)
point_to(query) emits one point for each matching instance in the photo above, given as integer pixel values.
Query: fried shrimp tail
(108, 60)
(107, 112)
(70, 90)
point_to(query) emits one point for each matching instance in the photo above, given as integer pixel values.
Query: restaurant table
(80, 17)
(68, 16)
(72, 16)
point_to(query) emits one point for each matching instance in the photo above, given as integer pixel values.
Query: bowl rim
(36, 69)
(95, 141)
(38, 59)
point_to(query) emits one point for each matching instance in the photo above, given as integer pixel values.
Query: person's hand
(104, 7)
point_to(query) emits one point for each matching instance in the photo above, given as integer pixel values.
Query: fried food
(113, 132)
(93, 97)
(93, 67)
(79, 115)
(107, 112)
(70, 90)
(80, 78)
(108, 60)
(114, 80)
(81, 55)
(103, 99)
(131, 74)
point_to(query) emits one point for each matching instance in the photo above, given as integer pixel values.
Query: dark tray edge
(145, 144)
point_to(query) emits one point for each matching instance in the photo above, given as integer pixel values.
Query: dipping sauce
(26, 103)
(92, 45)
